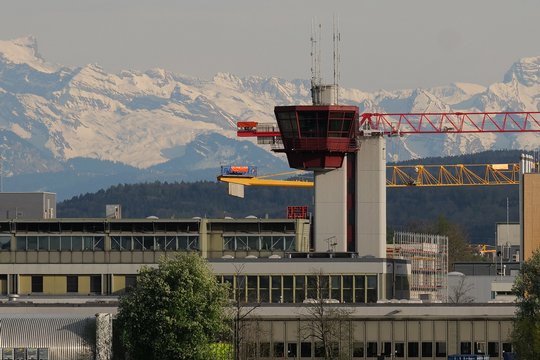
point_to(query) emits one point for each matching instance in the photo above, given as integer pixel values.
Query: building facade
(269, 258)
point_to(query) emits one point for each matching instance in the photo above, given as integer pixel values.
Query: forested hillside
(476, 209)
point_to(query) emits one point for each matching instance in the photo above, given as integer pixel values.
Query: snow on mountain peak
(526, 71)
(24, 50)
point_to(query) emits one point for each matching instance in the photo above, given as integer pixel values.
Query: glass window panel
(252, 289)
(126, 242)
(493, 348)
(21, 242)
(88, 243)
(266, 242)
(95, 284)
(371, 350)
(76, 243)
(137, 243)
(241, 287)
(399, 349)
(312, 285)
(440, 349)
(5, 242)
(72, 284)
(412, 349)
(279, 349)
(278, 242)
(287, 289)
(276, 289)
(507, 347)
(170, 243)
(371, 295)
(300, 288)
(160, 242)
(65, 243)
(387, 348)
(335, 284)
(324, 283)
(54, 243)
(252, 282)
(115, 243)
(465, 347)
(264, 289)
(427, 349)
(253, 242)
(241, 243)
(99, 243)
(480, 348)
(32, 242)
(193, 243)
(183, 242)
(37, 283)
(292, 350)
(148, 243)
(372, 281)
(43, 243)
(305, 349)
(290, 243)
(358, 349)
(347, 296)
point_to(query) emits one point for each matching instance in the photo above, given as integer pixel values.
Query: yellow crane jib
(396, 176)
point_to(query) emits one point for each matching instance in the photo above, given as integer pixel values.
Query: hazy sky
(385, 44)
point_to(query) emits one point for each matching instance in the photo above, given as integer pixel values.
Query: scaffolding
(428, 255)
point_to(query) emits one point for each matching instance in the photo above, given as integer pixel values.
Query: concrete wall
(331, 210)
(371, 197)
(37, 205)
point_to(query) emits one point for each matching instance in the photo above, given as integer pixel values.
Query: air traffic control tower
(349, 172)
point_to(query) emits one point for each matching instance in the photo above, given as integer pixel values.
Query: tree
(459, 293)
(325, 320)
(459, 248)
(526, 331)
(244, 330)
(174, 312)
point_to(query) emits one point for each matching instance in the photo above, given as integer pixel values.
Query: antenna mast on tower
(337, 56)
(315, 55)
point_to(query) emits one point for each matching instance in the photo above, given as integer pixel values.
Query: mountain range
(75, 130)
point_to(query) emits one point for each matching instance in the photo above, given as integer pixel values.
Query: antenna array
(315, 54)
(337, 56)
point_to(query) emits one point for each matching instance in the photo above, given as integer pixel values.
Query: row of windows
(264, 242)
(170, 242)
(72, 284)
(370, 349)
(315, 124)
(96, 243)
(92, 228)
(298, 288)
(60, 243)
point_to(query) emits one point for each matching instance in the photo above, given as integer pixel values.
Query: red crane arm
(432, 123)
(424, 123)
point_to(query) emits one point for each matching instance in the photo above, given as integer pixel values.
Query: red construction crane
(421, 123)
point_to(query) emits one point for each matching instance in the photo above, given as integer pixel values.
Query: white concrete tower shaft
(371, 197)
(330, 224)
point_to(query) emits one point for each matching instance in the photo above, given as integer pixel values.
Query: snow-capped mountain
(52, 114)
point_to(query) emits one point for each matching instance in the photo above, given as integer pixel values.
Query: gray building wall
(38, 205)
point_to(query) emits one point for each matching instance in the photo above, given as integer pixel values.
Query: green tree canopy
(458, 243)
(174, 312)
(526, 332)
